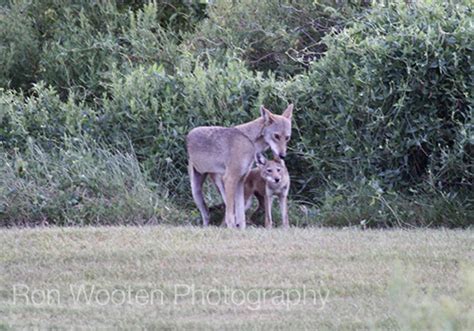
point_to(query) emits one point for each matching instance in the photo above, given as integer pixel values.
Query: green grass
(350, 279)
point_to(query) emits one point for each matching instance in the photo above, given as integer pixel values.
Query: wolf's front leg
(240, 205)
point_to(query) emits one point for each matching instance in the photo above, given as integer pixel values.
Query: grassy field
(188, 277)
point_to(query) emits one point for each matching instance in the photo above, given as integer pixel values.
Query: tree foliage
(383, 94)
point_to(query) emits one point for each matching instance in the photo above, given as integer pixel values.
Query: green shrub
(83, 58)
(391, 101)
(147, 42)
(180, 16)
(19, 49)
(78, 54)
(41, 116)
(72, 45)
(149, 118)
(278, 36)
(220, 94)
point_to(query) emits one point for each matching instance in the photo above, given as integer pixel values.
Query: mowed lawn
(195, 278)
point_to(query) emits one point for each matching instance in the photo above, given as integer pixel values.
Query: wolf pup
(269, 179)
(227, 154)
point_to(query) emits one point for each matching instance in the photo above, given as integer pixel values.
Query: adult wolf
(227, 155)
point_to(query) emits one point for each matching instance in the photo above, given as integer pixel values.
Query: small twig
(263, 57)
(400, 222)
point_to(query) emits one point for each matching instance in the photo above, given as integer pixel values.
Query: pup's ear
(260, 160)
(266, 114)
(288, 111)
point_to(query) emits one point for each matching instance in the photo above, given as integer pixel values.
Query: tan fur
(226, 154)
(270, 179)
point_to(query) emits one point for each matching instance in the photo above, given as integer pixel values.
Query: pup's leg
(268, 210)
(220, 186)
(284, 210)
(230, 187)
(247, 202)
(197, 179)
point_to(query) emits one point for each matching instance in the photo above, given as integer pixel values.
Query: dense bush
(149, 118)
(19, 48)
(392, 99)
(390, 107)
(42, 116)
(383, 130)
(72, 45)
(277, 36)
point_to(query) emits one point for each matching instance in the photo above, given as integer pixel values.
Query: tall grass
(79, 184)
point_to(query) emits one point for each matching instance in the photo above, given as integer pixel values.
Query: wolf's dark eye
(277, 136)
(269, 171)
(278, 169)
(287, 138)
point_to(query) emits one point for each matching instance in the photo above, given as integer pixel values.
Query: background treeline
(96, 98)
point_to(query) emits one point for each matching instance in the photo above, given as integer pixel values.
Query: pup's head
(277, 130)
(271, 171)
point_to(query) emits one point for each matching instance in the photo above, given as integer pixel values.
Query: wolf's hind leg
(197, 180)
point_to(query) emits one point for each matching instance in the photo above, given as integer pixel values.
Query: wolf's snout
(277, 180)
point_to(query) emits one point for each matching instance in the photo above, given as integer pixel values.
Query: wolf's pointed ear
(260, 160)
(279, 160)
(266, 115)
(288, 112)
